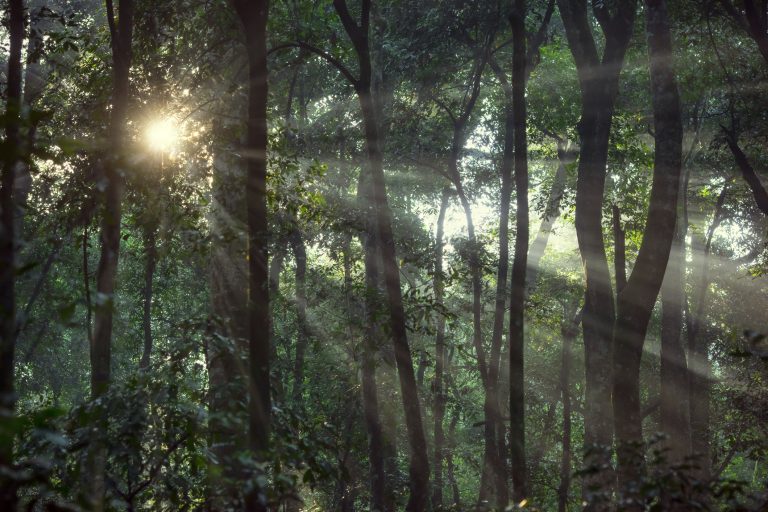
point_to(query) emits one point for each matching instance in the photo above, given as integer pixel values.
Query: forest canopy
(384, 255)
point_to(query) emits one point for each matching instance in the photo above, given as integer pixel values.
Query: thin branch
(501, 77)
(747, 171)
(322, 54)
(447, 110)
(538, 39)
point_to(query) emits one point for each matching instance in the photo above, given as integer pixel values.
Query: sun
(162, 135)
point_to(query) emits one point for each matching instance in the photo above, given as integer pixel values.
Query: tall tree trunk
(440, 357)
(520, 263)
(674, 407)
(635, 303)
(419, 465)
(376, 443)
(121, 31)
(450, 466)
(492, 466)
(227, 347)
(699, 386)
(599, 83)
(674, 421)
(253, 16)
(494, 426)
(8, 244)
(35, 75)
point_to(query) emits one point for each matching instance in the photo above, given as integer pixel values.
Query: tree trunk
(698, 349)
(8, 245)
(619, 250)
(450, 466)
(227, 347)
(302, 336)
(747, 172)
(378, 480)
(35, 76)
(674, 419)
(520, 263)
(599, 82)
(674, 370)
(494, 429)
(419, 465)
(150, 261)
(440, 357)
(253, 16)
(492, 466)
(635, 303)
(565, 156)
(121, 31)
(569, 332)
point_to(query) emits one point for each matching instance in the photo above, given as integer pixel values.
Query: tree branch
(747, 172)
(322, 54)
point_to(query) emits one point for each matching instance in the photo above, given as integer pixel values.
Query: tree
(253, 16)
(599, 82)
(114, 167)
(636, 301)
(8, 247)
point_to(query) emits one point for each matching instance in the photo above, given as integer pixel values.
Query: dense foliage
(433, 293)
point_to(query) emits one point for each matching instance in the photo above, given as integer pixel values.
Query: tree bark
(635, 303)
(253, 16)
(8, 248)
(520, 263)
(599, 83)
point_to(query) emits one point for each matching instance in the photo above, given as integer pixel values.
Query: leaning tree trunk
(520, 263)
(419, 465)
(8, 498)
(253, 16)
(635, 303)
(565, 156)
(747, 172)
(121, 31)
